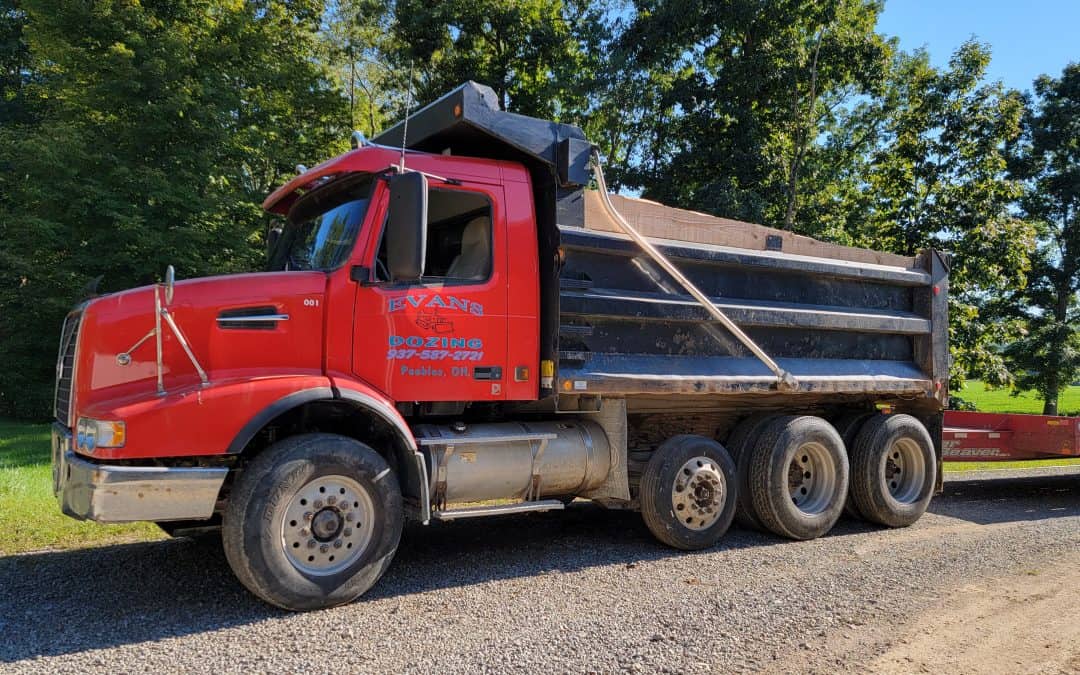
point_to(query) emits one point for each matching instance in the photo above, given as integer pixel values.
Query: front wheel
(688, 492)
(313, 521)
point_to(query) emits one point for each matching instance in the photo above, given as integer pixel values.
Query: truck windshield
(323, 225)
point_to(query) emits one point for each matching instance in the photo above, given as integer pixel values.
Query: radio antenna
(405, 128)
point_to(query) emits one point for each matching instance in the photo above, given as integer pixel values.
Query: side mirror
(406, 228)
(170, 283)
(272, 237)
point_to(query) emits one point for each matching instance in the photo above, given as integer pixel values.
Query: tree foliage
(523, 49)
(745, 91)
(937, 177)
(166, 124)
(1047, 357)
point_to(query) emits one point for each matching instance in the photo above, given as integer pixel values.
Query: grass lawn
(30, 518)
(1002, 400)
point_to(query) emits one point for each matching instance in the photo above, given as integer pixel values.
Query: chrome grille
(65, 367)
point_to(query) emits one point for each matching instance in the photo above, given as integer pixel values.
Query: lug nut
(331, 500)
(311, 543)
(318, 503)
(348, 531)
(324, 548)
(349, 517)
(308, 515)
(337, 544)
(304, 532)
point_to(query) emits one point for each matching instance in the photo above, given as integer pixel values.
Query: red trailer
(991, 437)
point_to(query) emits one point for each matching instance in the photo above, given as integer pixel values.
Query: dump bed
(841, 320)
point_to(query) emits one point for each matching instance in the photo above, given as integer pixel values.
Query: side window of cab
(459, 239)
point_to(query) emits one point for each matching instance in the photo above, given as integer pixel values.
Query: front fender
(200, 420)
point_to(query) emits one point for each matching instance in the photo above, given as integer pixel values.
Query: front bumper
(120, 494)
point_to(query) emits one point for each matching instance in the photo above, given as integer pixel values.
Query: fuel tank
(482, 462)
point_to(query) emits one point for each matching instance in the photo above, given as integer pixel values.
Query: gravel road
(577, 591)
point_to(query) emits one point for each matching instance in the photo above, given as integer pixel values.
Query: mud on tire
(313, 521)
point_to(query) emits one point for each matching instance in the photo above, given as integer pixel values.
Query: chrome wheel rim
(812, 478)
(904, 471)
(328, 524)
(698, 493)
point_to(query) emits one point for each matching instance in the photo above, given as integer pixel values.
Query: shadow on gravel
(61, 602)
(69, 601)
(1008, 500)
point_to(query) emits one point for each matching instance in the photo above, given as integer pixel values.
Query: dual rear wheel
(793, 475)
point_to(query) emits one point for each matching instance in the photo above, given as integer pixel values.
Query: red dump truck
(452, 325)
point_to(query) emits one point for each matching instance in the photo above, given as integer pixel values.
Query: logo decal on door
(435, 301)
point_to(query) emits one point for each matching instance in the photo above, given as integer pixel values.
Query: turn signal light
(91, 434)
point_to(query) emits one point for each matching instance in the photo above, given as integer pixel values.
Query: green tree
(16, 71)
(750, 88)
(357, 37)
(1047, 357)
(937, 177)
(525, 50)
(173, 120)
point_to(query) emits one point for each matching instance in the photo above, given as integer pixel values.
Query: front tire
(688, 492)
(313, 521)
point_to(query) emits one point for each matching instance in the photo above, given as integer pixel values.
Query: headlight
(91, 434)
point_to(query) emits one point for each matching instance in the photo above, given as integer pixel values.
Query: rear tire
(313, 521)
(688, 492)
(740, 444)
(798, 477)
(893, 470)
(848, 427)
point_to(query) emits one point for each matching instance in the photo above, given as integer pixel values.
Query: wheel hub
(905, 471)
(328, 524)
(698, 493)
(811, 478)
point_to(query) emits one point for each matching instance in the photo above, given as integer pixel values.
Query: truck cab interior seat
(474, 261)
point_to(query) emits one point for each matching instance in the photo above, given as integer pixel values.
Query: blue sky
(1028, 38)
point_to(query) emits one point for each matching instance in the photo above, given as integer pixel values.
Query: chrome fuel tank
(510, 460)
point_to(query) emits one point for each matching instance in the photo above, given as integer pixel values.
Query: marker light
(91, 434)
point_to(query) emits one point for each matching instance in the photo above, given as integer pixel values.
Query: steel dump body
(838, 326)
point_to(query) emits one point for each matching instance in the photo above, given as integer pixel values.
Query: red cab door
(442, 338)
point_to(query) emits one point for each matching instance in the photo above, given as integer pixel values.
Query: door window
(458, 239)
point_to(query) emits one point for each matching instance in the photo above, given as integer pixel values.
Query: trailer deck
(990, 437)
